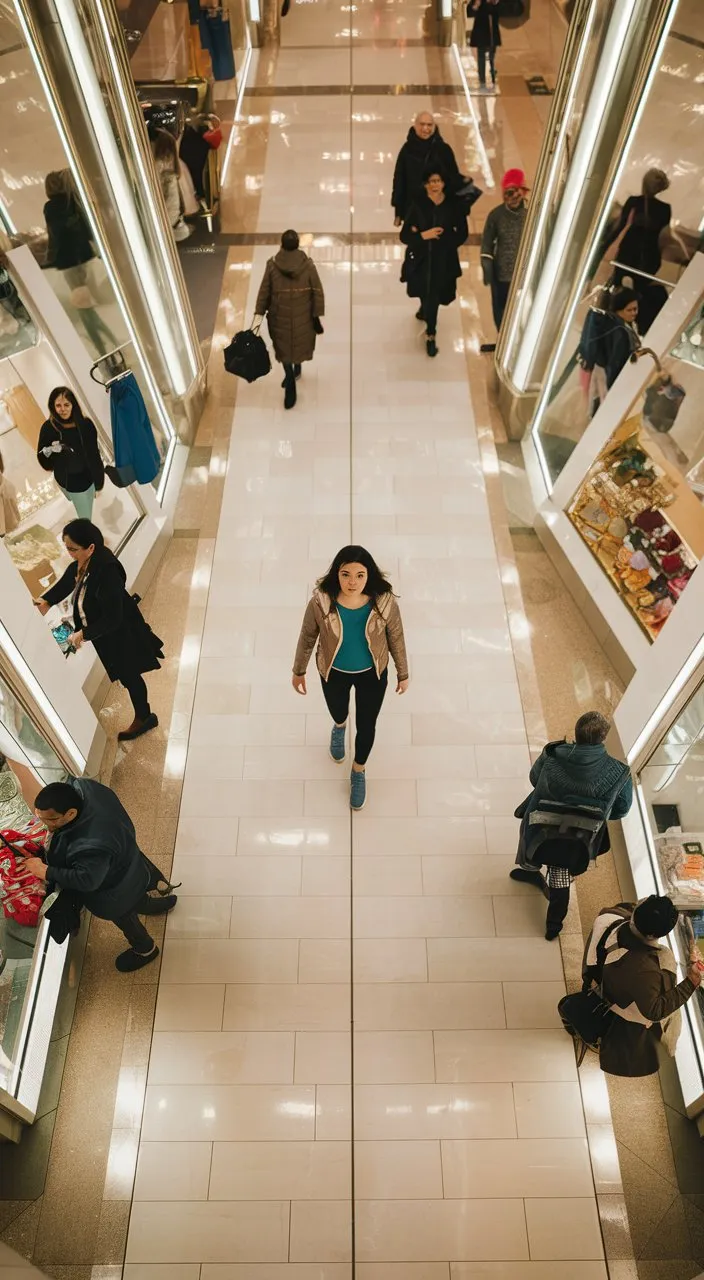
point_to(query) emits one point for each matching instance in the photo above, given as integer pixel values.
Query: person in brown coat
(638, 980)
(291, 297)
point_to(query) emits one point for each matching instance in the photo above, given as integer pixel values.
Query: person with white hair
(425, 151)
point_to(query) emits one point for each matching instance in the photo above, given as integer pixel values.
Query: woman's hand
(299, 683)
(402, 686)
(433, 234)
(42, 605)
(76, 639)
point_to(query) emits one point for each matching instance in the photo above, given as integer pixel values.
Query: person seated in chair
(579, 773)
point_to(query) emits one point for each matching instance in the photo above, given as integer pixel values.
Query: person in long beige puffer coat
(291, 297)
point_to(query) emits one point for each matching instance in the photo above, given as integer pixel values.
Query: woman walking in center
(435, 227)
(354, 616)
(291, 297)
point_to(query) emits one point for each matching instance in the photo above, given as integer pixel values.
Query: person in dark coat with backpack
(636, 972)
(575, 773)
(94, 856)
(609, 339)
(104, 613)
(291, 297)
(424, 150)
(434, 229)
(486, 37)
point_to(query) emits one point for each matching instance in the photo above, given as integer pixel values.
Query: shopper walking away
(485, 38)
(68, 446)
(291, 297)
(93, 854)
(638, 980)
(355, 619)
(501, 239)
(70, 248)
(435, 227)
(423, 152)
(106, 615)
(609, 339)
(644, 218)
(578, 774)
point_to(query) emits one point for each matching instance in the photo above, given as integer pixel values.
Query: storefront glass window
(672, 784)
(640, 509)
(27, 762)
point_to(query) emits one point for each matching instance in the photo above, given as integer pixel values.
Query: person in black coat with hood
(105, 614)
(423, 151)
(93, 856)
(435, 227)
(486, 36)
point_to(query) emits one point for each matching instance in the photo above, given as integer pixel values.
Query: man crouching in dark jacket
(574, 773)
(93, 853)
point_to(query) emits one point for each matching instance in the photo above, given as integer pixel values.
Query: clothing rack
(109, 355)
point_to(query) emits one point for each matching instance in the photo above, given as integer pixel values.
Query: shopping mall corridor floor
(313, 950)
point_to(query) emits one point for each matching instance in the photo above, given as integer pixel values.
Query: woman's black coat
(418, 158)
(58, 462)
(124, 642)
(486, 33)
(432, 267)
(69, 233)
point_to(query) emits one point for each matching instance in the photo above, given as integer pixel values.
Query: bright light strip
(445, 8)
(661, 710)
(483, 155)
(27, 676)
(166, 469)
(7, 220)
(93, 98)
(577, 175)
(146, 182)
(238, 109)
(255, 13)
(557, 162)
(39, 1008)
(46, 85)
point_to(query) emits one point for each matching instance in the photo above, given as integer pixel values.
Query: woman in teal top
(354, 617)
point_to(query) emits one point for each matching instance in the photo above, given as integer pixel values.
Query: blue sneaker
(358, 789)
(337, 743)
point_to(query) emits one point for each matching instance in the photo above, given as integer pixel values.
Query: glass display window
(672, 798)
(27, 762)
(639, 508)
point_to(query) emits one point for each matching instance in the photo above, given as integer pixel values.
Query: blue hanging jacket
(136, 454)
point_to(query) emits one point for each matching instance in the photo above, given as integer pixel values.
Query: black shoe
(158, 906)
(137, 728)
(553, 933)
(130, 961)
(431, 347)
(419, 314)
(535, 878)
(486, 347)
(290, 394)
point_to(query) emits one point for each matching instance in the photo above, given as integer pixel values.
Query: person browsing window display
(68, 446)
(355, 619)
(105, 614)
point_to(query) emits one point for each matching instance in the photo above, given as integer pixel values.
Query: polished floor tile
(280, 1171)
(403, 1170)
(564, 1229)
(222, 1057)
(209, 1232)
(197, 1113)
(539, 1167)
(425, 1229)
(173, 1171)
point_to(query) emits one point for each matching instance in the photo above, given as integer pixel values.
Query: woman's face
(353, 579)
(629, 313)
(80, 554)
(435, 185)
(63, 408)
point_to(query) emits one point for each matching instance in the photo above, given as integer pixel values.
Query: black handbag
(247, 356)
(468, 194)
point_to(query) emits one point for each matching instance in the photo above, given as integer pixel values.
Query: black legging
(137, 689)
(369, 695)
(430, 307)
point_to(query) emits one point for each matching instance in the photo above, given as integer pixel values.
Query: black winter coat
(69, 233)
(124, 642)
(97, 857)
(80, 445)
(486, 33)
(418, 158)
(432, 267)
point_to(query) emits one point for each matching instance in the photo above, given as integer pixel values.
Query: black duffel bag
(247, 356)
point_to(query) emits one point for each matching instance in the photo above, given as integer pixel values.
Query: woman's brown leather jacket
(321, 622)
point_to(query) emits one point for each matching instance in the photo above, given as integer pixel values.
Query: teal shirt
(354, 653)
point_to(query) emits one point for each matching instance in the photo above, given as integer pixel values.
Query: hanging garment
(136, 453)
(25, 413)
(9, 510)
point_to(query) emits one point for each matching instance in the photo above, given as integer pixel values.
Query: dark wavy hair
(78, 417)
(377, 584)
(84, 533)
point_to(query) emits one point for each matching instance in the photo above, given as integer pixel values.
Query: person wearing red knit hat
(500, 242)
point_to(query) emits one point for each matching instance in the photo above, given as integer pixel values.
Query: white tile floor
(295, 917)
